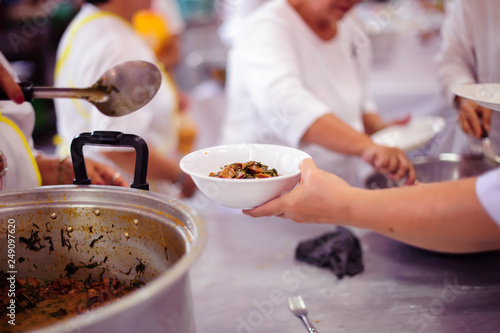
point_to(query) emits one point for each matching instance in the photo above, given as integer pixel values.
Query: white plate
(412, 135)
(485, 94)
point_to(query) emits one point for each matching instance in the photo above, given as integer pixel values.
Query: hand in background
(188, 186)
(473, 118)
(10, 87)
(392, 161)
(56, 172)
(101, 174)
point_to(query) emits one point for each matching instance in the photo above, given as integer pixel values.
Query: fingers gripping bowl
(244, 193)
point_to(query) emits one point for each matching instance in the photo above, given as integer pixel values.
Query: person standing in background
(161, 27)
(455, 217)
(170, 11)
(297, 76)
(470, 53)
(100, 37)
(234, 14)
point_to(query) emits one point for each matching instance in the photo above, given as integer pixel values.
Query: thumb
(306, 164)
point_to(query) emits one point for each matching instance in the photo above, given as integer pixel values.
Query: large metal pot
(438, 168)
(125, 233)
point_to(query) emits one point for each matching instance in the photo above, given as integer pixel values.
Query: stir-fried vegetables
(248, 170)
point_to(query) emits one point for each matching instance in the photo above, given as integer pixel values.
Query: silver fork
(298, 308)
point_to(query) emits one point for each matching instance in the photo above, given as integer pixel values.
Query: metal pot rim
(450, 157)
(151, 289)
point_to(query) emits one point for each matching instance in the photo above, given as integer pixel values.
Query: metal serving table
(242, 282)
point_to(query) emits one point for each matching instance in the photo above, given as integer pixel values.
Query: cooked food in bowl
(247, 170)
(243, 193)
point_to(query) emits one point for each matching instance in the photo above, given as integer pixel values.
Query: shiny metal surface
(131, 85)
(249, 265)
(298, 308)
(117, 229)
(440, 168)
(121, 90)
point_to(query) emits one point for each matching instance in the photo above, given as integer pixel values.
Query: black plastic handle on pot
(26, 87)
(110, 138)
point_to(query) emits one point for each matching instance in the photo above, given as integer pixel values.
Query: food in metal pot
(248, 170)
(42, 303)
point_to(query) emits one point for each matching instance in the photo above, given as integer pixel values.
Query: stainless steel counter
(243, 279)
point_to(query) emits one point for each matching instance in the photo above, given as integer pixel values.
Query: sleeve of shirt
(488, 193)
(272, 76)
(455, 60)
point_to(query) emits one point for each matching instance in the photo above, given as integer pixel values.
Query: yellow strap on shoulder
(26, 145)
(73, 30)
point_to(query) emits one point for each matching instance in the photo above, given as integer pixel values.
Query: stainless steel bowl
(443, 167)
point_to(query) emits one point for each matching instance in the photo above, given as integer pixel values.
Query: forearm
(48, 167)
(159, 166)
(372, 123)
(445, 217)
(332, 133)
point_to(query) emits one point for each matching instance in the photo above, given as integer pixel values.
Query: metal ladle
(123, 89)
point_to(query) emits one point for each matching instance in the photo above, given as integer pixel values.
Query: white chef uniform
(16, 144)
(282, 78)
(94, 42)
(234, 13)
(470, 51)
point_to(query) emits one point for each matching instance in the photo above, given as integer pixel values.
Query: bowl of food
(244, 176)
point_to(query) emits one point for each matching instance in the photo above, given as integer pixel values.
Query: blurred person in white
(171, 12)
(161, 26)
(98, 38)
(470, 53)
(460, 216)
(21, 165)
(297, 77)
(234, 12)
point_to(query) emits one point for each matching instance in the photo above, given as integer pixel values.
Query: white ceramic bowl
(244, 193)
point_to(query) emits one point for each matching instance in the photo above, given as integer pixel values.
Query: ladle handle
(110, 138)
(27, 89)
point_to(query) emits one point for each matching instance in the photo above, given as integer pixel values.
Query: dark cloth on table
(339, 251)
